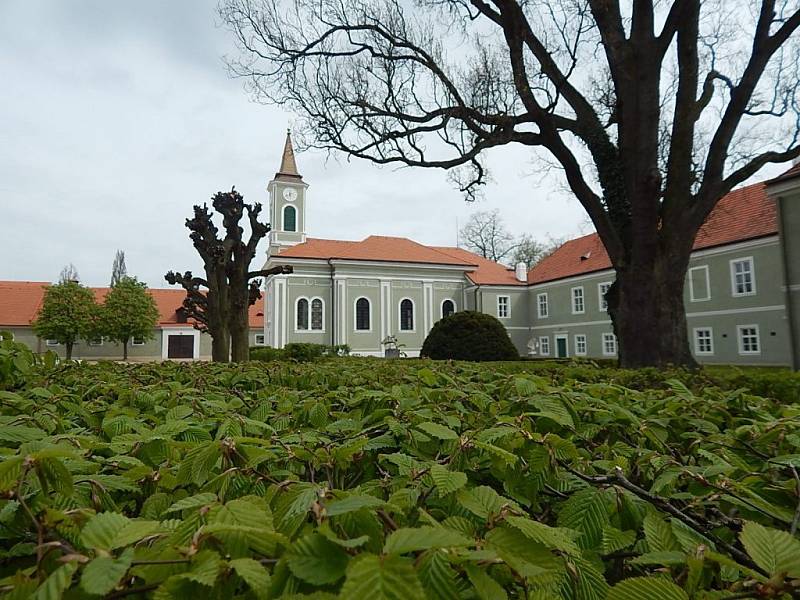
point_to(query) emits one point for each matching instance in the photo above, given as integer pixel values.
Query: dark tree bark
(221, 309)
(668, 110)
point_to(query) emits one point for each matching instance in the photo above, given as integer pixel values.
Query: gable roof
(794, 171)
(487, 272)
(20, 302)
(744, 214)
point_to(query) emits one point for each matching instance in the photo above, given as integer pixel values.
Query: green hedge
(297, 352)
(469, 335)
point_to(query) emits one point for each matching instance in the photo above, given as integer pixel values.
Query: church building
(742, 288)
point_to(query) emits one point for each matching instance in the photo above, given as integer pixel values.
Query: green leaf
(586, 511)
(133, 532)
(100, 531)
(447, 481)
(775, 551)
(485, 587)
(54, 586)
(614, 539)
(253, 574)
(205, 568)
(351, 504)
(438, 431)
(556, 538)
(438, 577)
(423, 538)
(20, 434)
(659, 535)
(382, 578)
(195, 501)
(666, 558)
(103, 573)
(317, 560)
(481, 501)
(646, 588)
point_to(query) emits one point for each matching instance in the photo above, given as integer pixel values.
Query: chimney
(521, 272)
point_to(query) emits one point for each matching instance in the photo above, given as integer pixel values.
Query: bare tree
(486, 235)
(118, 270)
(653, 110)
(68, 273)
(530, 251)
(218, 304)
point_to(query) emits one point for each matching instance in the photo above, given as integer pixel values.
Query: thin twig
(796, 519)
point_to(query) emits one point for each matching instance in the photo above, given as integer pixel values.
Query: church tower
(287, 203)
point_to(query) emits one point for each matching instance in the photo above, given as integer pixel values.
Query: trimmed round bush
(469, 335)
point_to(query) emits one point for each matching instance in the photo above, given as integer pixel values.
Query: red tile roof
(375, 248)
(488, 271)
(744, 214)
(794, 171)
(20, 302)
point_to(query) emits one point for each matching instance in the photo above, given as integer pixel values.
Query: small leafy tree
(128, 312)
(68, 314)
(118, 270)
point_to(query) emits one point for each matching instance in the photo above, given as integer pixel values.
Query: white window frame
(283, 218)
(263, 341)
(606, 336)
(355, 315)
(748, 259)
(135, 343)
(581, 337)
(546, 340)
(573, 298)
(52, 343)
(441, 307)
(696, 339)
(97, 342)
(413, 316)
(546, 298)
(602, 305)
(692, 296)
(507, 307)
(310, 312)
(740, 341)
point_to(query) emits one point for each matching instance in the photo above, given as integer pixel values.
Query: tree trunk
(220, 345)
(648, 313)
(69, 350)
(125, 350)
(240, 344)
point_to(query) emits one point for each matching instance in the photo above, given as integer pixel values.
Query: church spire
(288, 169)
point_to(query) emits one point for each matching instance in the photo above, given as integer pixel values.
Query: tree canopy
(69, 313)
(128, 312)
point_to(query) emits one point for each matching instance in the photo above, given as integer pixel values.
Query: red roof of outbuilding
(20, 302)
(743, 214)
(488, 271)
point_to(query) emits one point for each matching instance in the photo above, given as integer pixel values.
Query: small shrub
(298, 352)
(266, 353)
(469, 335)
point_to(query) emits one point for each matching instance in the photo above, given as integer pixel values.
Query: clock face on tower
(290, 194)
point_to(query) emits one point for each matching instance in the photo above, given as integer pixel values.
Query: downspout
(790, 316)
(333, 303)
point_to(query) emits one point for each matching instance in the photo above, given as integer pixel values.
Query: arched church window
(302, 314)
(406, 315)
(316, 314)
(362, 314)
(289, 218)
(448, 308)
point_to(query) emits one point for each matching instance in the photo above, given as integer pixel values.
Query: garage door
(180, 346)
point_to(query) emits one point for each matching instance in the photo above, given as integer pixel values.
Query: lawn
(358, 478)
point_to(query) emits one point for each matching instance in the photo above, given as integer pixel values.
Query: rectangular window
(96, 342)
(578, 307)
(609, 344)
(137, 341)
(743, 280)
(703, 341)
(602, 290)
(52, 343)
(260, 339)
(699, 285)
(580, 345)
(749, 340)
(543, 308)
(503, 307)
(544, 345)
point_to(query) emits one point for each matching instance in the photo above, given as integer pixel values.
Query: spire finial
(288, 167)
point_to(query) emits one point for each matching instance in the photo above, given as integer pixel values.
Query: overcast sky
(116, 117)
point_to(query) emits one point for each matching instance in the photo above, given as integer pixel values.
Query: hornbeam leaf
(586, 511)
(447, 481)
(53, 587)
(775, 551)
(100, 531)
(485, 587)
(423, 538)
(646, 588)
(317, 560)
(557, 538)
(133, 532)
(382, 578)
(614, 539)
(438, 577)
(254, 575)
(438, 431)
(102, 575)
(20, 434)
(352, 503)
(195, 501)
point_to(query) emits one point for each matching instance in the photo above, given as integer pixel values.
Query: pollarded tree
(128, 312)
(69, 313)
(218, 304)
(652, 110)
